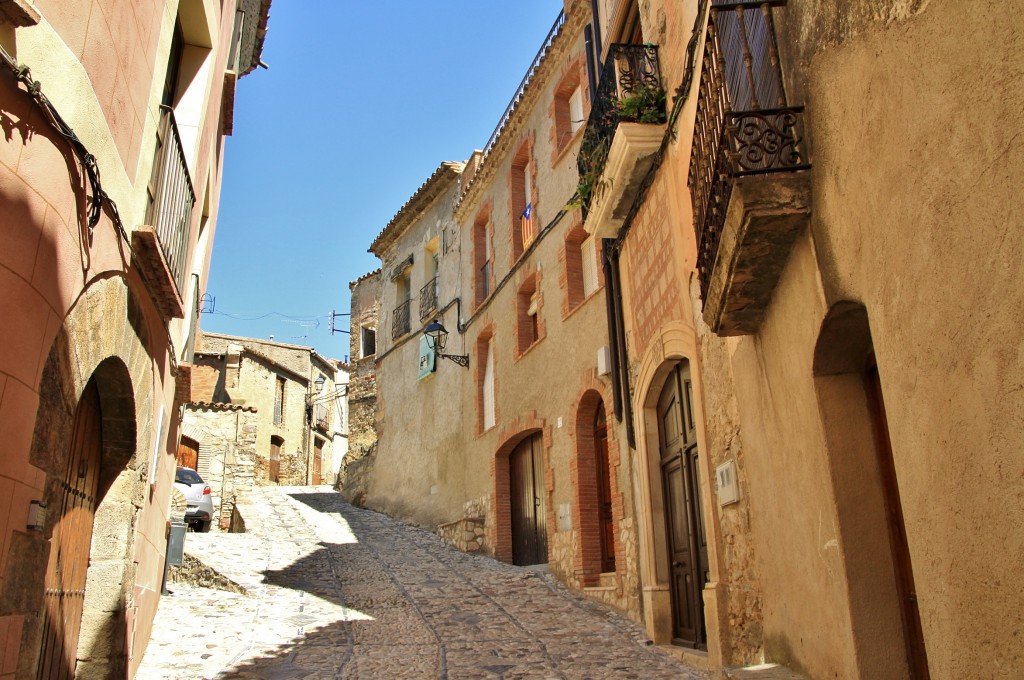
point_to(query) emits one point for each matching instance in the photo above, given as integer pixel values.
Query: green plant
(646, 105)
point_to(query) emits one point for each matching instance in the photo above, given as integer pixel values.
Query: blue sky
(361, 103)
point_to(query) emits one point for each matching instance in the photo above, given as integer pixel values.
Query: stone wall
(356, 467)
(227, 451)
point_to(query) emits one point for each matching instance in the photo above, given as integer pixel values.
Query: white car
(199, 515)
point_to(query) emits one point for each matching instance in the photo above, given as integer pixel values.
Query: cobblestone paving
(338, 592)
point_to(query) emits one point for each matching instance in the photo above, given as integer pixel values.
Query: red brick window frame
(570, 107)
(587, 563)
(581, 274)
(522, 193)
(483, 255)
(486, 379)
(529, 320)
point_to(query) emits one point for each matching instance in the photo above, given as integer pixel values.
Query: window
(428, 293)
(367, 341)
(488, 388)
(401, 323)
(485, 380)
(524, 202)
(483, 249)
(581, 274)
(279, 401)
(567, 107)
(528, 304)
(588, 255)
(576, 119)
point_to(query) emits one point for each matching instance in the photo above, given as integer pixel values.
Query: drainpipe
(588, 39)
(597, 31)
(620, 332)
(613, 338)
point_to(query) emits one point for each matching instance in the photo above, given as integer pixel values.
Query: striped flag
(527, 224)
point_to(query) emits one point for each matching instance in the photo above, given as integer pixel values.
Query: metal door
(529, 510)
(687, 545)
(70, 543)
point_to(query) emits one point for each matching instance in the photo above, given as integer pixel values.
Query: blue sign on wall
(427, 359)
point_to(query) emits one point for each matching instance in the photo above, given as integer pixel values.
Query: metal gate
(64, 593)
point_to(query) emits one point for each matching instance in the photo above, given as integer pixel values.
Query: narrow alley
(332, 591)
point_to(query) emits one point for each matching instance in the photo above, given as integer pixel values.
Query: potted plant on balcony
(645, 105)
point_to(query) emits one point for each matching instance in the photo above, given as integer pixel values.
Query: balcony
(428, 299)
(622, 138)
(750, 196)
(160, 248)
(400, 321)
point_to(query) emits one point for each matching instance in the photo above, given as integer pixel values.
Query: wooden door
(318, 458)
(188, 453)
(274, 473)
(910, 615)
(686, 540)
(529, 509)
(64, 592)
(604, 491)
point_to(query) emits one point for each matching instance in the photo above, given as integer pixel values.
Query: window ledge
(520, 355)
(581, 304)
(561, 152)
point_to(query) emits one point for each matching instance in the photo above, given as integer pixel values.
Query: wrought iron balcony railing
(744, 125)
(400, 321)
(428, 299)
(171, 198)
(630, 90)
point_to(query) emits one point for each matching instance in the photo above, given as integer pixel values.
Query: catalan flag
(527, 224)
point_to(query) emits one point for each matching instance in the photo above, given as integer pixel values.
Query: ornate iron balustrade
(400, 322)
(428, 299)
(171, 198)
(629, 70)
(744, 125)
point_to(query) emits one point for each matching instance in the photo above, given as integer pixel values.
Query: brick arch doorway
(82, 626)
(64, 583)
(528, 502)
(596, 513)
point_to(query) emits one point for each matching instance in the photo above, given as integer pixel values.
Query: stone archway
(102, 342)
(886, 621)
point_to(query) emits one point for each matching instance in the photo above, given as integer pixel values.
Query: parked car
(199, 515)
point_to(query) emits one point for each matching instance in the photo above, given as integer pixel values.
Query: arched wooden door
(70, 543)
(188, 453)
(604, 491)
(529, 509)
(687, 542)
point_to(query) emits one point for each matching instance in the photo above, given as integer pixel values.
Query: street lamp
(437, 336)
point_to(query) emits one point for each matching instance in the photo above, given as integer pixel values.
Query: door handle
(677, 564)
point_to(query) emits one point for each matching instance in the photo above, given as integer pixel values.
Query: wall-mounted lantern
(437, 336)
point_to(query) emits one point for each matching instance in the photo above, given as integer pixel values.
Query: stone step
(764, 671)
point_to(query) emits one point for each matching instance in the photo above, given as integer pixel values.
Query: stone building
(821, 307)
(296, 399)
(362, 388)
(518, 448)
(113, 117)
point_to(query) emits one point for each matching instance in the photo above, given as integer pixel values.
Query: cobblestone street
(332, 591)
